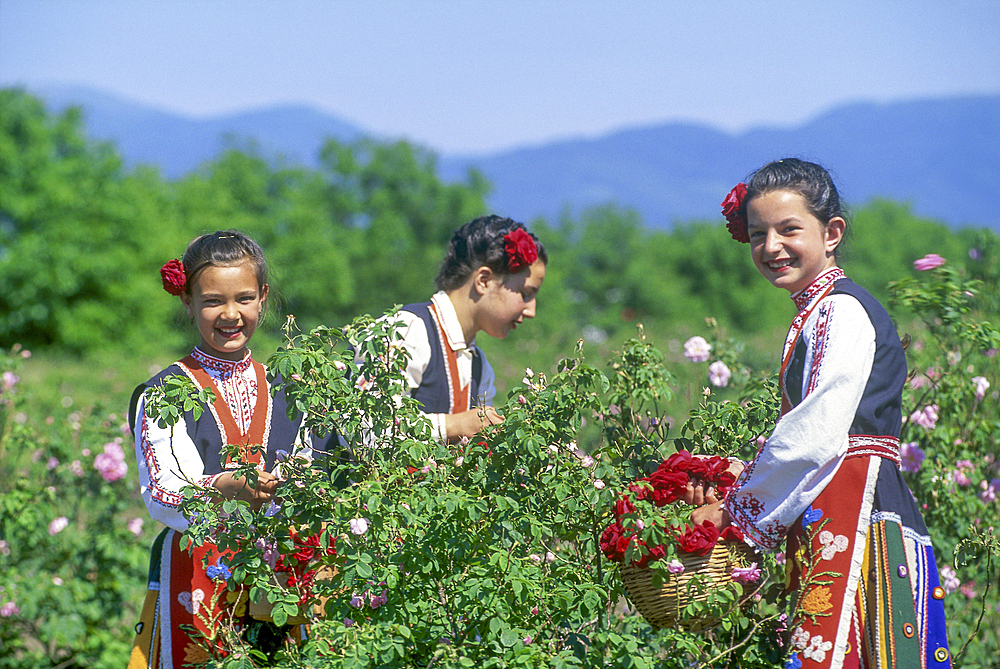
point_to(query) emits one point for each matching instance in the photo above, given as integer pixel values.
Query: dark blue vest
(880, 410)
(433, 392)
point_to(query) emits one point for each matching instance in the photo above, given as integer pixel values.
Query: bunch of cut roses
(659, 495)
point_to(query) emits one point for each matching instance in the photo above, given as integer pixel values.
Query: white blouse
(810, 441)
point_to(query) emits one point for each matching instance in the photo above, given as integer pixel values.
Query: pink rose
(718, 374)
(696, 349)
(929, 261)
(58, 525)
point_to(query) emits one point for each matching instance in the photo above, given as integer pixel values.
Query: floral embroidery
(817, 649)
(832, 544)
(817, 601)
(191, 600)
(195, 654)
(793, 662)
(800, 638)
(810, 516)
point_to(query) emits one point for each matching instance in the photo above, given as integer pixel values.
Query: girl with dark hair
(488, 282)
(862, 576)
(222, 283)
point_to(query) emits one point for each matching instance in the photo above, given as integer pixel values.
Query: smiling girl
(862, 576)
(488, 282)
(222, 284)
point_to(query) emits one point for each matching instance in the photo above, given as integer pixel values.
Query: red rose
(731, 533)
(708, 468)
(652, 555)
(699, 539)
(668, 486)
(679, 461)
(173, 277)
(732, 209)
(623, 506)
(520, 248)
(609, 541)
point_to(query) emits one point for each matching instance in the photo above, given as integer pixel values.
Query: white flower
(58, 525)
(587, 462)
(696, 349)
(718, 374)
(599, 484)
(982, 385)
(358, 525)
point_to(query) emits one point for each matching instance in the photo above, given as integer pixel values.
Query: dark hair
(476, 244)
(809, 180)
(223, 248)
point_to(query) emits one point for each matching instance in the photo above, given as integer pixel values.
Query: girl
(861, 570)
(222, 283)
(488, 282)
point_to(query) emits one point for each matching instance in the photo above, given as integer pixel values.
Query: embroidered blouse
(417, 341)
(829, 392)
(168, 459)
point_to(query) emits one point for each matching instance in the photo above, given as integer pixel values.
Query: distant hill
(940, 155)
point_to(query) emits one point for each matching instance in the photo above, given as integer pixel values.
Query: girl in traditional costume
(861, 570)
(222, 283)
(488, 282)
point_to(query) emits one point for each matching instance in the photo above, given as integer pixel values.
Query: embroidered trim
(861, 445)
(804, 297)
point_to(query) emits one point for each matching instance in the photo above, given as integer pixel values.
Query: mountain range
(941, 156)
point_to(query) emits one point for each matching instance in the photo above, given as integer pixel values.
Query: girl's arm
(810, 441)
(167, 460)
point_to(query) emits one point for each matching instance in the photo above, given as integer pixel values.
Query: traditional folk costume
(861, 568)
(444, 374)
(185, 602)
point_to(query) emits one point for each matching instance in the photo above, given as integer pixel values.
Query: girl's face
(789, 245)
(226, 303)
(506, 303)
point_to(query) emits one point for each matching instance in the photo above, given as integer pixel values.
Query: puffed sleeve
(416, 343)
(167, 460)
(810, 441)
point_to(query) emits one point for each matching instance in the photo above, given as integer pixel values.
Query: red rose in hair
(732, 209)
(520, 248)
(174, 279)
(699, 539)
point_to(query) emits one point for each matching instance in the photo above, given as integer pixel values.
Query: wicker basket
(663, 607)
(261, 610)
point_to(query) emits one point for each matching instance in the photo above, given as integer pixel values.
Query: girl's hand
(699, 492)
(714, 512)
(236, 487)
(468, 423)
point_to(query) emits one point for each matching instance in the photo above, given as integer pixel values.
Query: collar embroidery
(819, 285)
(221, 368)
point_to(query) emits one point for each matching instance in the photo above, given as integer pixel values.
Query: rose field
(512, 549)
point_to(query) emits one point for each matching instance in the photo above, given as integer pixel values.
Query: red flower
(679, 461)
(731, 533)
(623, 506)
(736, 216)
(699, 539)
(668, 486)
(174, 278)
(520, 248)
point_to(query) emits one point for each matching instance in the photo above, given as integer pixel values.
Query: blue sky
(476, 75)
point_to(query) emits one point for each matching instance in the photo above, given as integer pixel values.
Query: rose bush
(485, 553)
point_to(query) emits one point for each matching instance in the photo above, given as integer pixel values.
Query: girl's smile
(790, 246)
(226, 303)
